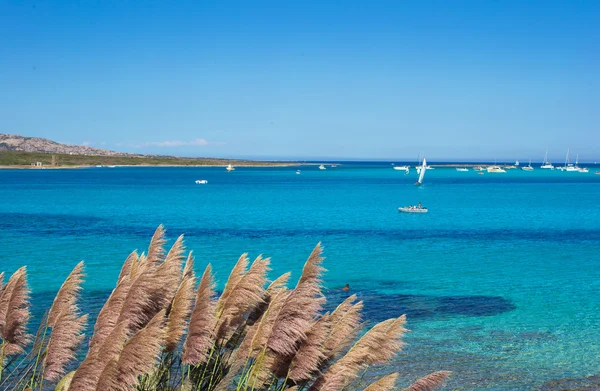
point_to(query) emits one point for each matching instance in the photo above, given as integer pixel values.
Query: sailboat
(527, 168)
(422, 173)
(568, 165)
(547, 164)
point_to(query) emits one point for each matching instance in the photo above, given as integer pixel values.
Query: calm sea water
(500, 280)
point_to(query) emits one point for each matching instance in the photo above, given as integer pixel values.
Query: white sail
(422, 173)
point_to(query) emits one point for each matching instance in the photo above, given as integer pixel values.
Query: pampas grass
(430, 382)
(157, 331)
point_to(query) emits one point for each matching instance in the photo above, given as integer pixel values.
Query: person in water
(346, 288)
(419, 206)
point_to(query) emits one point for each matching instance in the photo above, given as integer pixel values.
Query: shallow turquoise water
(500, 279)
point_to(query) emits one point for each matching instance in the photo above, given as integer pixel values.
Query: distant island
(33, 152)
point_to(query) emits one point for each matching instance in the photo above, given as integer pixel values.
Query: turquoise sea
(500, 280)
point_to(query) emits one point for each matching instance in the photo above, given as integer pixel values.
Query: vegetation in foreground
(25, 159)
(160, 330)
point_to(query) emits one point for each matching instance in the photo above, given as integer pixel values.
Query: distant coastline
(45, 160)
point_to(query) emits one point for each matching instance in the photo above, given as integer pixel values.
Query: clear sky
(306, 79)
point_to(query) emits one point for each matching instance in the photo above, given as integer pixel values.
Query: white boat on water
(419, 182)
(230, 168)
(527, 168)
(583, 169)
(322, 167)
(495, 169)
(462, 169)
(413, 209)
(298, 172)
(201, 181)
(478, 168)
(569, 167)
(547, 165)
(402, 168)
(517, 163)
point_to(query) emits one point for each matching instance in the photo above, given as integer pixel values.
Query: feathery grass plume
(278, 284)
(15, 316)
(168, 276)
(156, 250)
(377, 346)
(300, 308)
(243, 298)
(386, 383)
(6, 295)
(1, 281)
(128, 264)
(108, 378)
(201, 327)
(88, 373)
(235, 276)
(188, 269)
(272, 290)
(430, 382)
(67, 295)
(267, 323)
(140, 353)
(345, 326)
(137, 266)
(180, 311)
(109, 314)
(310, 353)
(64, 341)
(153, 287)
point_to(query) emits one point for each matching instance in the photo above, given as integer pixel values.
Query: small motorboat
(462, 169)
(414, 209)
(322, 167)
(230, 168)
(201, 181)
(495, 169)
(298, 172)
(597, 173)
(402, 168)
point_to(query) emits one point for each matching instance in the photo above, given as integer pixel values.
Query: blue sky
(311, 79)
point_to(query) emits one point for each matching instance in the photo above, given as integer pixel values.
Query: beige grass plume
(131, 260)
(154, 284)
(300, 308)
(6, 294)
(188, 269)
(1, 281)
(310, 353)
(200, 335)
(386, 383)
(265, 327)
(278, 285)
(345, 326)
(179, 312)
(156, 250)
(14, 313)
(140, 353)
(67, 296)
(243, 297)
(89, 371)
(430, 382)
(235, 276)
(65, 339)
(377, 346)
(109, 314)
